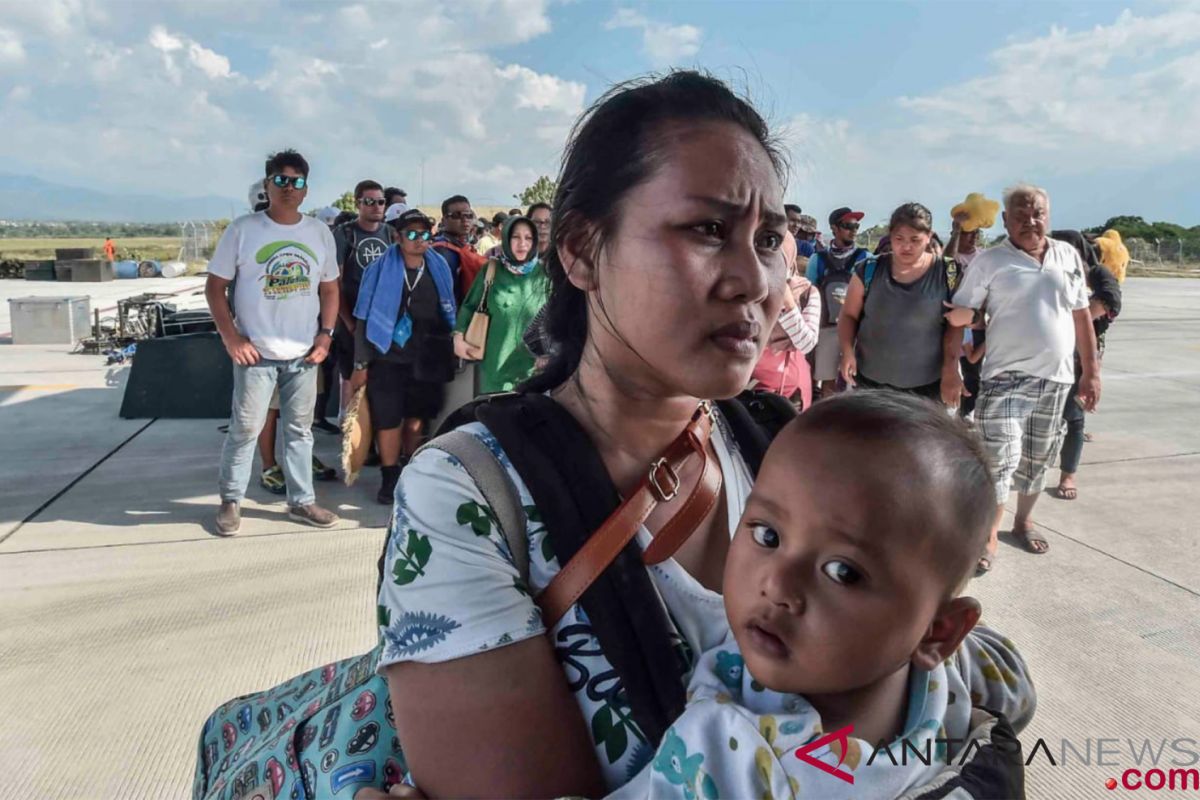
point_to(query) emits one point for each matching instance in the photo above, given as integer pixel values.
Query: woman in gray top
(891, 325)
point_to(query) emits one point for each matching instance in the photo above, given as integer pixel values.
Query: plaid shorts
(1020, 419)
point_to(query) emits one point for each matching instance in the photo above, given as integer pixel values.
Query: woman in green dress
(516, 287)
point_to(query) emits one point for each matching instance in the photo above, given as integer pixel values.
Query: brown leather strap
(661, 484)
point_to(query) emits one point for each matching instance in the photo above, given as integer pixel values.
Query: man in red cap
(830, 271)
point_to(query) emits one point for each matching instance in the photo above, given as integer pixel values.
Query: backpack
(833, 285)
(329, 731)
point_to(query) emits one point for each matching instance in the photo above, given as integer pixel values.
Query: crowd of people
(819, 584)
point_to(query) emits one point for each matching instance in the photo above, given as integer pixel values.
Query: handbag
(477, 331)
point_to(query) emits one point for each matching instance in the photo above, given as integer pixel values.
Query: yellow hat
(980, 212)
(1113, 253)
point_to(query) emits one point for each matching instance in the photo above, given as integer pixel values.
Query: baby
(847, 627)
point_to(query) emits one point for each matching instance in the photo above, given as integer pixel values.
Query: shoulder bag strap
(488, 278)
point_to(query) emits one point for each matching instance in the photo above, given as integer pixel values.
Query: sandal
(1030, 539)
(272, 480)
(1065, 492)
(984, 566)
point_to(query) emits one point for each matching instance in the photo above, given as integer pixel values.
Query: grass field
(159, 248)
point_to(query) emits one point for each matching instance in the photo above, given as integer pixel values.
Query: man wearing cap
(360, 243)
(402, 348)
(830, 272)
(806, 236)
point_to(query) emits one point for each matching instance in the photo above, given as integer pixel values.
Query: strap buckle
(669, 477)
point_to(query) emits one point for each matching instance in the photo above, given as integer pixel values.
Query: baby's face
(829, 584)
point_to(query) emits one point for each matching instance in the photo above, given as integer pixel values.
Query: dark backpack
(870, 266)
(575, 496)
(827, 283)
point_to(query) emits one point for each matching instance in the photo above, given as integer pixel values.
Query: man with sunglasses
(403, 352)
(453, 243)
(360, 243)
(830, 271)
(286, 302)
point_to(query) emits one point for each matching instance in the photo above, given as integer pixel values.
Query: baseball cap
(394, 211)
(808, 224)
(845, 214)
(412, 216)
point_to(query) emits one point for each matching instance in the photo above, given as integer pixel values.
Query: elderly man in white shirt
(1033, 293)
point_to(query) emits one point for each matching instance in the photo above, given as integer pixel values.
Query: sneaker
(272, 480)
(322, 472)
(314, 515)
(325, 425)
(229, 518)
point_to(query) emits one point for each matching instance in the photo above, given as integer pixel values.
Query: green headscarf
(507, 258)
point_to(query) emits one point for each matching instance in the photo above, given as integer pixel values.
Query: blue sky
(877, 102)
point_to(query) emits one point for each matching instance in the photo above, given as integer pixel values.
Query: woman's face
(690, 283)
(521, 240)
(908, 244)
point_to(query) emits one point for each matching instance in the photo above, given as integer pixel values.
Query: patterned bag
(324, 733)
(330, 731)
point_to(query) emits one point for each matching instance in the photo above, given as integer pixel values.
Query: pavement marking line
(210, 537)
(1116, 558)
(78, 478)
(1140, 458)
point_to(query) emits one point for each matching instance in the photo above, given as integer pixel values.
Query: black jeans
(1072, 446)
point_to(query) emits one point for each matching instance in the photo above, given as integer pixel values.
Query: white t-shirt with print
(1030, 305)
(451, 589)
(277, 268)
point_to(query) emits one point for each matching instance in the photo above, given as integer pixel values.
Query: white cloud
(160, 39)
(211, 63)
(11, 49)
(1050, 108)
(665, 45)
(158, 97)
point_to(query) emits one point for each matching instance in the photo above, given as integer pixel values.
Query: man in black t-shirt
(360, 243)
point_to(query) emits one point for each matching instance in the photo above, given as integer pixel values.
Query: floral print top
(451, 589)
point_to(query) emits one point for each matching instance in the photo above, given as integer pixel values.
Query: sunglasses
(849, 226)
(461, 215)
(412, 236)
(299, 181)
(372, 201)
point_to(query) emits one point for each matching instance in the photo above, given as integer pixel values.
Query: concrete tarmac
(124, 621)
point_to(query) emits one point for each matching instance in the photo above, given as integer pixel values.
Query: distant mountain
(23, 197)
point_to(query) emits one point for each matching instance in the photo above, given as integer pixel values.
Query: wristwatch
(327, 331)
(361, 364)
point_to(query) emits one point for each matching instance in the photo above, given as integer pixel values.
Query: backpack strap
(754, 417)
(498, 492)
(575, 496)
(496, 487)
(952, 275)
(870, 263)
